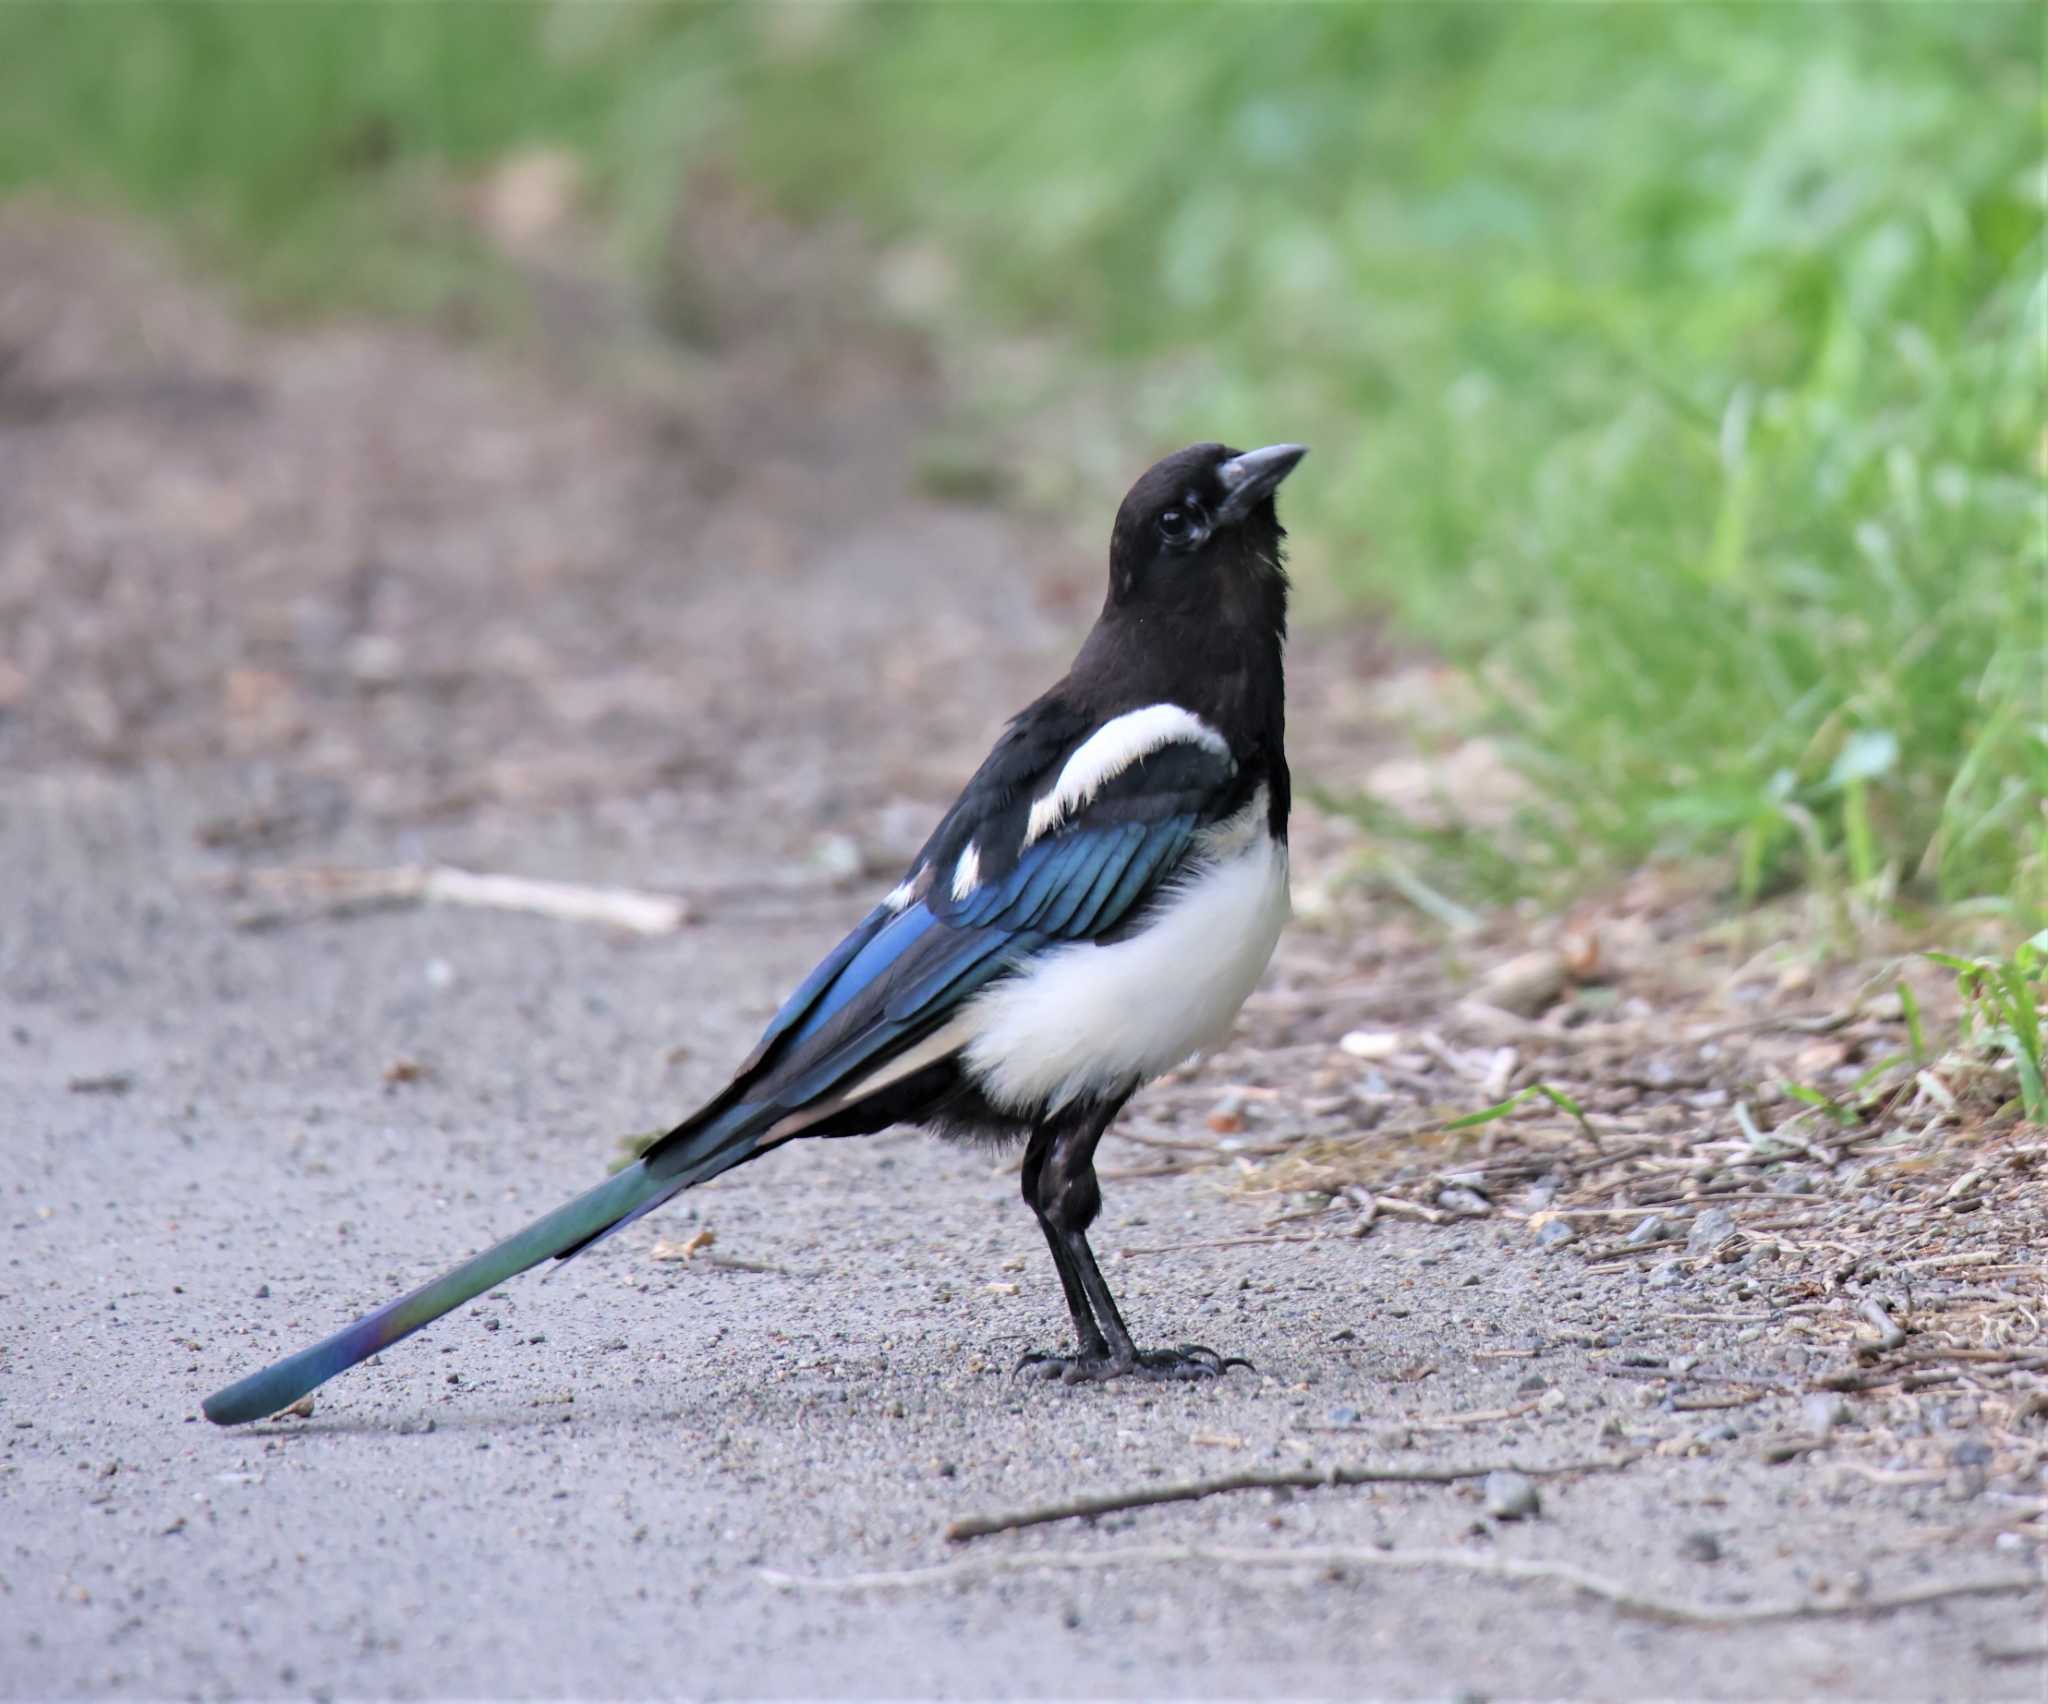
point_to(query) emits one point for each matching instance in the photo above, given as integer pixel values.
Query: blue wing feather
(902, 973)
(822, 977)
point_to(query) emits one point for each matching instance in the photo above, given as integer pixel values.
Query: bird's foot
(1189, 1361)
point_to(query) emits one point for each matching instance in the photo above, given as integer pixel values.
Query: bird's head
(1198, 529)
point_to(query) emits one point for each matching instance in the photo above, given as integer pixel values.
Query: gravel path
(254, 614)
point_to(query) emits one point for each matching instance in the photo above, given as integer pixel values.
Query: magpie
(1092, 911)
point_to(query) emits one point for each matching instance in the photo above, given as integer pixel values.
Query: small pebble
(1823, 1411)
(1556, 1233)
(1226, 1117)
(1511, 1496)
(1371, 1044)
(1344, 1416)
(1710, 1230)
(1700, 1547)
(1666, 1274)
(1647, 1232)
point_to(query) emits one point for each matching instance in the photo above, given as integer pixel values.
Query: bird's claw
(1189, 1361)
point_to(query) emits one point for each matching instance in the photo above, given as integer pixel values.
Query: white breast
(1085, 1018)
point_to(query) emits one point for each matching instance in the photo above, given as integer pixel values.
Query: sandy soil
(349, 597)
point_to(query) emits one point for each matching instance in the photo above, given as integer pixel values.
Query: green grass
(2002, 1002)
(1677, 368)
(318, 147)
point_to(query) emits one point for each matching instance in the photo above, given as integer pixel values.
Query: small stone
(1971, 1452)
(1370, 1044)
(1666, 1274)
(1555, 1233)
(263, 1292)
(1344, 1416)
(1525, 984)
(1649, 1231)
(1466, 1203)
(1709, 1231)
(1700, 1547)
(1823, 1411)
(1511, 1496)
(375, 659)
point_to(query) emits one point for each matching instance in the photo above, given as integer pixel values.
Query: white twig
(622, 908)
(1339, 1556)
(571, 902)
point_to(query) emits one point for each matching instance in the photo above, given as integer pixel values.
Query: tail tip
(239, 1404)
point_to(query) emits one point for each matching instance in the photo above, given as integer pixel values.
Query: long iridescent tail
(641, 1186)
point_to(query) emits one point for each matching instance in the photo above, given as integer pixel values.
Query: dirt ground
(351, 598)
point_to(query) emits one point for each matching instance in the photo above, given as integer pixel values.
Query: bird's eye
(1175, 526)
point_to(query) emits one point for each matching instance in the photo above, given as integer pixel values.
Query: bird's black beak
(1250, 478)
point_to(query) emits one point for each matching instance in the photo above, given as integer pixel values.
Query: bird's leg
(1086, 1332)
(1060, 1184)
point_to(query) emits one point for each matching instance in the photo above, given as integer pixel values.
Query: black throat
(1214, 644)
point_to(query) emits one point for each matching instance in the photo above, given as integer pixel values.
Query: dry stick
(1702, 1404)
(1217, 1242)
(1299, 1479)
(573, 902)
(1475, 1417)
(1622, 1597)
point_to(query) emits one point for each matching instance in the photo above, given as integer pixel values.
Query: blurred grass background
(1678, 369)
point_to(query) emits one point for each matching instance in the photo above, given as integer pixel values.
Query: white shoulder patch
(1109, 751)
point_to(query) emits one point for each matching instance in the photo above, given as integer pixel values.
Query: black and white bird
(1092, 911)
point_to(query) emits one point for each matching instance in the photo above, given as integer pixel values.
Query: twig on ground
(1401, 1209)
(1338, 1556)
(1699, 1404)
(1215, 1242)
(1298, 1479)
(1478, 1417)
(1850, 1381)
(570, 902)
(1887, 1333)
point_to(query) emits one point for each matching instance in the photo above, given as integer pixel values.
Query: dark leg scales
(1059, 1183)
